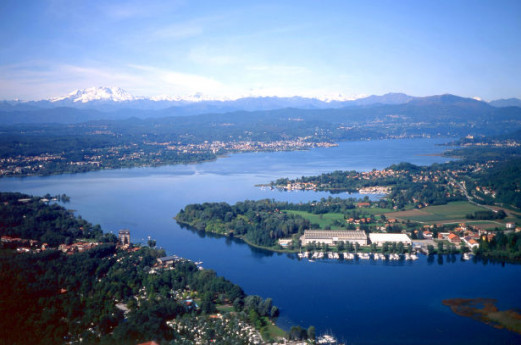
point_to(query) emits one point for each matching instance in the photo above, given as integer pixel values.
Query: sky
(229, 49)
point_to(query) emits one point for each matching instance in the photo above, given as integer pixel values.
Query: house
(510, 225)
(471, 242)
(443, 235)
(453, 238)
(427, 235)
(284, 242)
(167, 260)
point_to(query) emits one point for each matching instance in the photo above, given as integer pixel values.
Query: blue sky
(235, 48)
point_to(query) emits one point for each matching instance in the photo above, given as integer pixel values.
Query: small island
(485, 310)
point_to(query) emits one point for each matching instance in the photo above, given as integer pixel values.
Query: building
(427, 235)
(380, 239)
(285, 242)
(471, 242)
(124, 237)
(331, 236)
(453, 238)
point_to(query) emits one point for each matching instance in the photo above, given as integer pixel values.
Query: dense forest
(45, 221)
(502, 247)
(505, 180)
(107, 295)
(259, 222)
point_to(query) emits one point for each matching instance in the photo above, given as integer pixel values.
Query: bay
(361, 303)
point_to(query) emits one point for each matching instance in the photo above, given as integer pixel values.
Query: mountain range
(104, 103)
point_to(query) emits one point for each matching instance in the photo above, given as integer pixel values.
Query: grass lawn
(275, 332)
(321, 219)
(225, 308)
(328, 218)
(441, 213)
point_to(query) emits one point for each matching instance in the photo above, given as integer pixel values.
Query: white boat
(394, 256)
(349, 256)
(364, 256)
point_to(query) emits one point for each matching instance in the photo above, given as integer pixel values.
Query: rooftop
(340, 234)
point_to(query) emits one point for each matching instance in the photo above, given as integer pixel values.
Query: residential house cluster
(22, 245)
(77, 247)
(465, 234)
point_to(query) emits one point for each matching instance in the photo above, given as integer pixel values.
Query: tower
(124, 237)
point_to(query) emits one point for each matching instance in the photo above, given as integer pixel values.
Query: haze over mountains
(104, 103)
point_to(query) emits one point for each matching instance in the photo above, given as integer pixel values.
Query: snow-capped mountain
(114, 94)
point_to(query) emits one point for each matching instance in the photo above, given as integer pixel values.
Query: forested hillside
(108, 294)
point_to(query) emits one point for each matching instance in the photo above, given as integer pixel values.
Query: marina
(363, 256)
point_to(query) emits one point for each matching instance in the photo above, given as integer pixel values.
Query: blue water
(362, 303)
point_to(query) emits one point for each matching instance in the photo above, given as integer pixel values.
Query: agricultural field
(326, 219)
(453, 212)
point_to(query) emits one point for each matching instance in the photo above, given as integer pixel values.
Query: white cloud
(178, 81)
(41, 80)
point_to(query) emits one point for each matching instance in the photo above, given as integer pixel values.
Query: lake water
(361, 303)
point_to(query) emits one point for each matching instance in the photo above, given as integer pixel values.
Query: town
(144, 153)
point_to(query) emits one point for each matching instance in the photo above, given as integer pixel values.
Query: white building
(380, 239)
(331, 236)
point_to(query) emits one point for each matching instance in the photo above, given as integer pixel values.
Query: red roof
(149, 343)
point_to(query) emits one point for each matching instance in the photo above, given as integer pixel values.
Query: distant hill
(443, 114)
(509, 102)
(389, 98)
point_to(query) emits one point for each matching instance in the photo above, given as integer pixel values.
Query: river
(361, 303)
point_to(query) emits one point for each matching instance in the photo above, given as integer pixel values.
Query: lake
(360, 302)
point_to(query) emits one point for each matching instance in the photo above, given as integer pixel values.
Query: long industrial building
(380, 239)
(331, 236)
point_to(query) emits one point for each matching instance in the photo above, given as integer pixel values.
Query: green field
(321, 219)
(275, 332)
(328, 218)
(441, 213)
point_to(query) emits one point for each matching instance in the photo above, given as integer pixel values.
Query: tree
(151, 243)
(400, 248)
(274, 312)
(265, 307)
(440, 247)
(311, 333)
